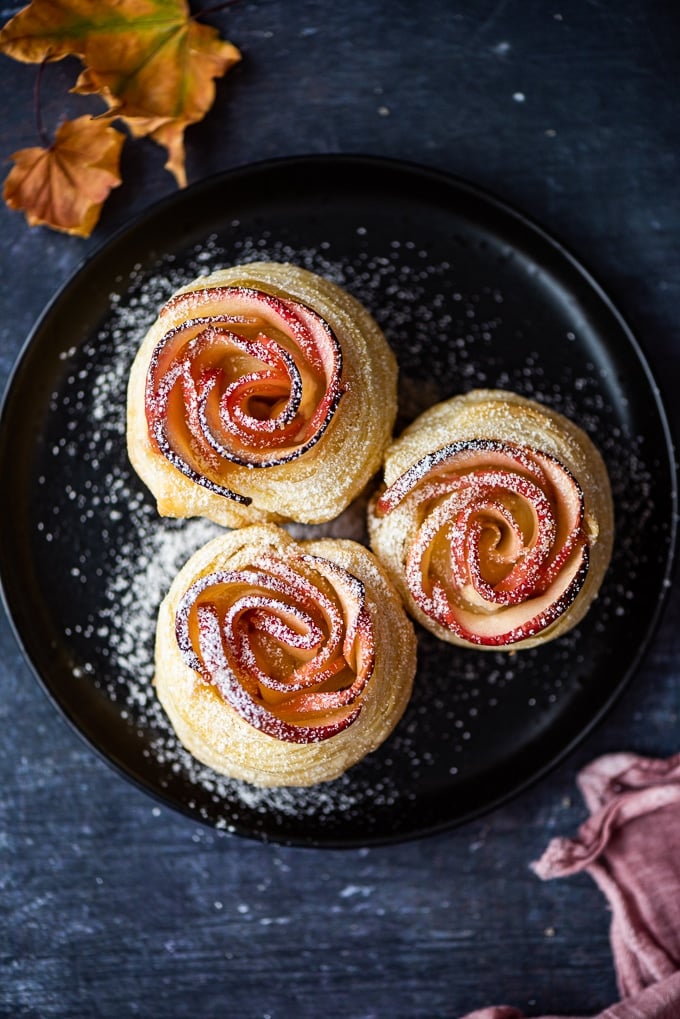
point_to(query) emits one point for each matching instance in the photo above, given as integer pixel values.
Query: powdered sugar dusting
(102, 534)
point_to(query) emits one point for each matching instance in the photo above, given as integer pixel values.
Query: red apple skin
(201, 636)
(471, 470)
(244, 441)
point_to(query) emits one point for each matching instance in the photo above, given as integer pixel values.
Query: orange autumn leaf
(169, 134)
(165, 131)
(152, 62)
(65, 185)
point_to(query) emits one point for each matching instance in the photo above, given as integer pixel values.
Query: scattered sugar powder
(470, 711)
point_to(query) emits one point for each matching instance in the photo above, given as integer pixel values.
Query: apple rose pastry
(496, 521)
(283, 663)
(261, 392)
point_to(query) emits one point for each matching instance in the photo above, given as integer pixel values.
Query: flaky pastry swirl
(261, 392)
(283, 663)
(496, 521)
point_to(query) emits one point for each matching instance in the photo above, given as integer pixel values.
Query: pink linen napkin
(635, 860)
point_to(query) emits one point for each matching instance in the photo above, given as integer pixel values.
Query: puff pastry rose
(262, 392)
(496, 521)
(283, 663)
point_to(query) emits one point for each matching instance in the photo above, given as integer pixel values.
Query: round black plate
(469, 294)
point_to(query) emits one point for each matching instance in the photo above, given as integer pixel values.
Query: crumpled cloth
(630, 845)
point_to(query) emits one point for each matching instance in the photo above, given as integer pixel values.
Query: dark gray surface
(112, 906)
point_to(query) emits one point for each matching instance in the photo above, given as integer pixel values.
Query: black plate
(469, 294)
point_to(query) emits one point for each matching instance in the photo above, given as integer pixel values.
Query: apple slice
(248, 379)
(289, 645)
(497, 550)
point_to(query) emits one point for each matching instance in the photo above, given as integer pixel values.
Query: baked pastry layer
(495, 522)
(262, 392)
(283, 663)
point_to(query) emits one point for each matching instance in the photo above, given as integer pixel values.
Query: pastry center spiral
(288, 644)
(241, 377)
(497, 549)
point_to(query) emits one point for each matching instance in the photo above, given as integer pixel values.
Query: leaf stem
(42, 133)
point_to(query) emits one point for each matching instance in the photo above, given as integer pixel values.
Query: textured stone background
(112, 906)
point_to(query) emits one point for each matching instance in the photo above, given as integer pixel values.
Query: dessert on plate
(261, 392)
(495, 522)
(283, 663)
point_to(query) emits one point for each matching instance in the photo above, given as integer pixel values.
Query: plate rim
(489, 198)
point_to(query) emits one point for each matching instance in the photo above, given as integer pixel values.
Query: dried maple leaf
(65, 185)
(165, 131)
(152, 62)
(169, 134)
